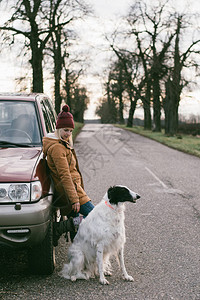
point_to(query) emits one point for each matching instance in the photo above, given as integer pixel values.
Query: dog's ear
(110, 192)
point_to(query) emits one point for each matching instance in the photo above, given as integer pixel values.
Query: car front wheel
(42, 257)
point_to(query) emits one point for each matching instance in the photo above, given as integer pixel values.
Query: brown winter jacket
(63, 164)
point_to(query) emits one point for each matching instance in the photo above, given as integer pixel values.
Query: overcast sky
(109, 8)
(92, 31)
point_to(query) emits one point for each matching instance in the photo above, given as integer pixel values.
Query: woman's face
(65, 133)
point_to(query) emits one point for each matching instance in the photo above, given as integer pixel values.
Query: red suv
(26, 213)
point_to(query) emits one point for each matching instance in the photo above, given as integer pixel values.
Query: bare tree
(117, 87)
(176, 81)
(133, 89)
(39, 20)
(72, 92)
(80, 103)
(153, 30)
(61, 37)
(107, 109)
(36, 31)
(150, 32)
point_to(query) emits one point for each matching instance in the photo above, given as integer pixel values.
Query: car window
(49, 127)
(18, 122)
(51, 112)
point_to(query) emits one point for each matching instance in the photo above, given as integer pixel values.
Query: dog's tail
(66, 271)
(75, 266)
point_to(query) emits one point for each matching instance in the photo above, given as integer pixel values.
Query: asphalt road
(162, 251)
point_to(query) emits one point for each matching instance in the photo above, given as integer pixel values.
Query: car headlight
(19, 192)
(3, 193)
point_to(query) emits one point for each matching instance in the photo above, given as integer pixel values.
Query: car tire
(42, 257)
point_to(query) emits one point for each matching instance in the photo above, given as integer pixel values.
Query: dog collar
(106, 203)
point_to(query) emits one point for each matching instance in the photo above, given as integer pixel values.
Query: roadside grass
(77, 129)
(184, 142)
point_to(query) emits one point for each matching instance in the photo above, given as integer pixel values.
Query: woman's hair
(70, 141)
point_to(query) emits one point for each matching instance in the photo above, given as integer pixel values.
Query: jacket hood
(48, 141)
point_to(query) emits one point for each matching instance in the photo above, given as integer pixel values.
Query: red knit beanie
(65, 118)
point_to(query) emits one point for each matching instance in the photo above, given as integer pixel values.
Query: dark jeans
(85, 209)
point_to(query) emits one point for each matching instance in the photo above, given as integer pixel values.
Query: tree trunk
(37, 70)
(173, 90)
(176, 115)
(131, 113)
(57, 69)
(147, 108)
(121, 89)
(37, 85)
(68, 87)
(121, 108)
(37, 54)
(156, 105)
(170, 109)
(58, 98)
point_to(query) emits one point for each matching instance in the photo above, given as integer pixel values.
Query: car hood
(18, 164)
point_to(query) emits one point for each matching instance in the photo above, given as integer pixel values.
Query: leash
(106, 203)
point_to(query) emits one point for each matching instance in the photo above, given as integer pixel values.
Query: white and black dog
(101, 234)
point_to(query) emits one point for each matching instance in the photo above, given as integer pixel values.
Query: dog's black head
(120, 193)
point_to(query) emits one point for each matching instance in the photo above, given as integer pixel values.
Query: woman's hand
(76, 207)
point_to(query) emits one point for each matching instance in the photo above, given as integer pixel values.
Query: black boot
(62, 227)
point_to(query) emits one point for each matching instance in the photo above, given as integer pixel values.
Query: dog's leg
(100, 264)
(122, 265)
(107, 266)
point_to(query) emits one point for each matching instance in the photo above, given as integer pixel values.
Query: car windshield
(18, 123)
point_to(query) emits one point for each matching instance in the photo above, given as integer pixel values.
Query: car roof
(22, 96)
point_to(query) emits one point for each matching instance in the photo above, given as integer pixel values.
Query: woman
(69, 196)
